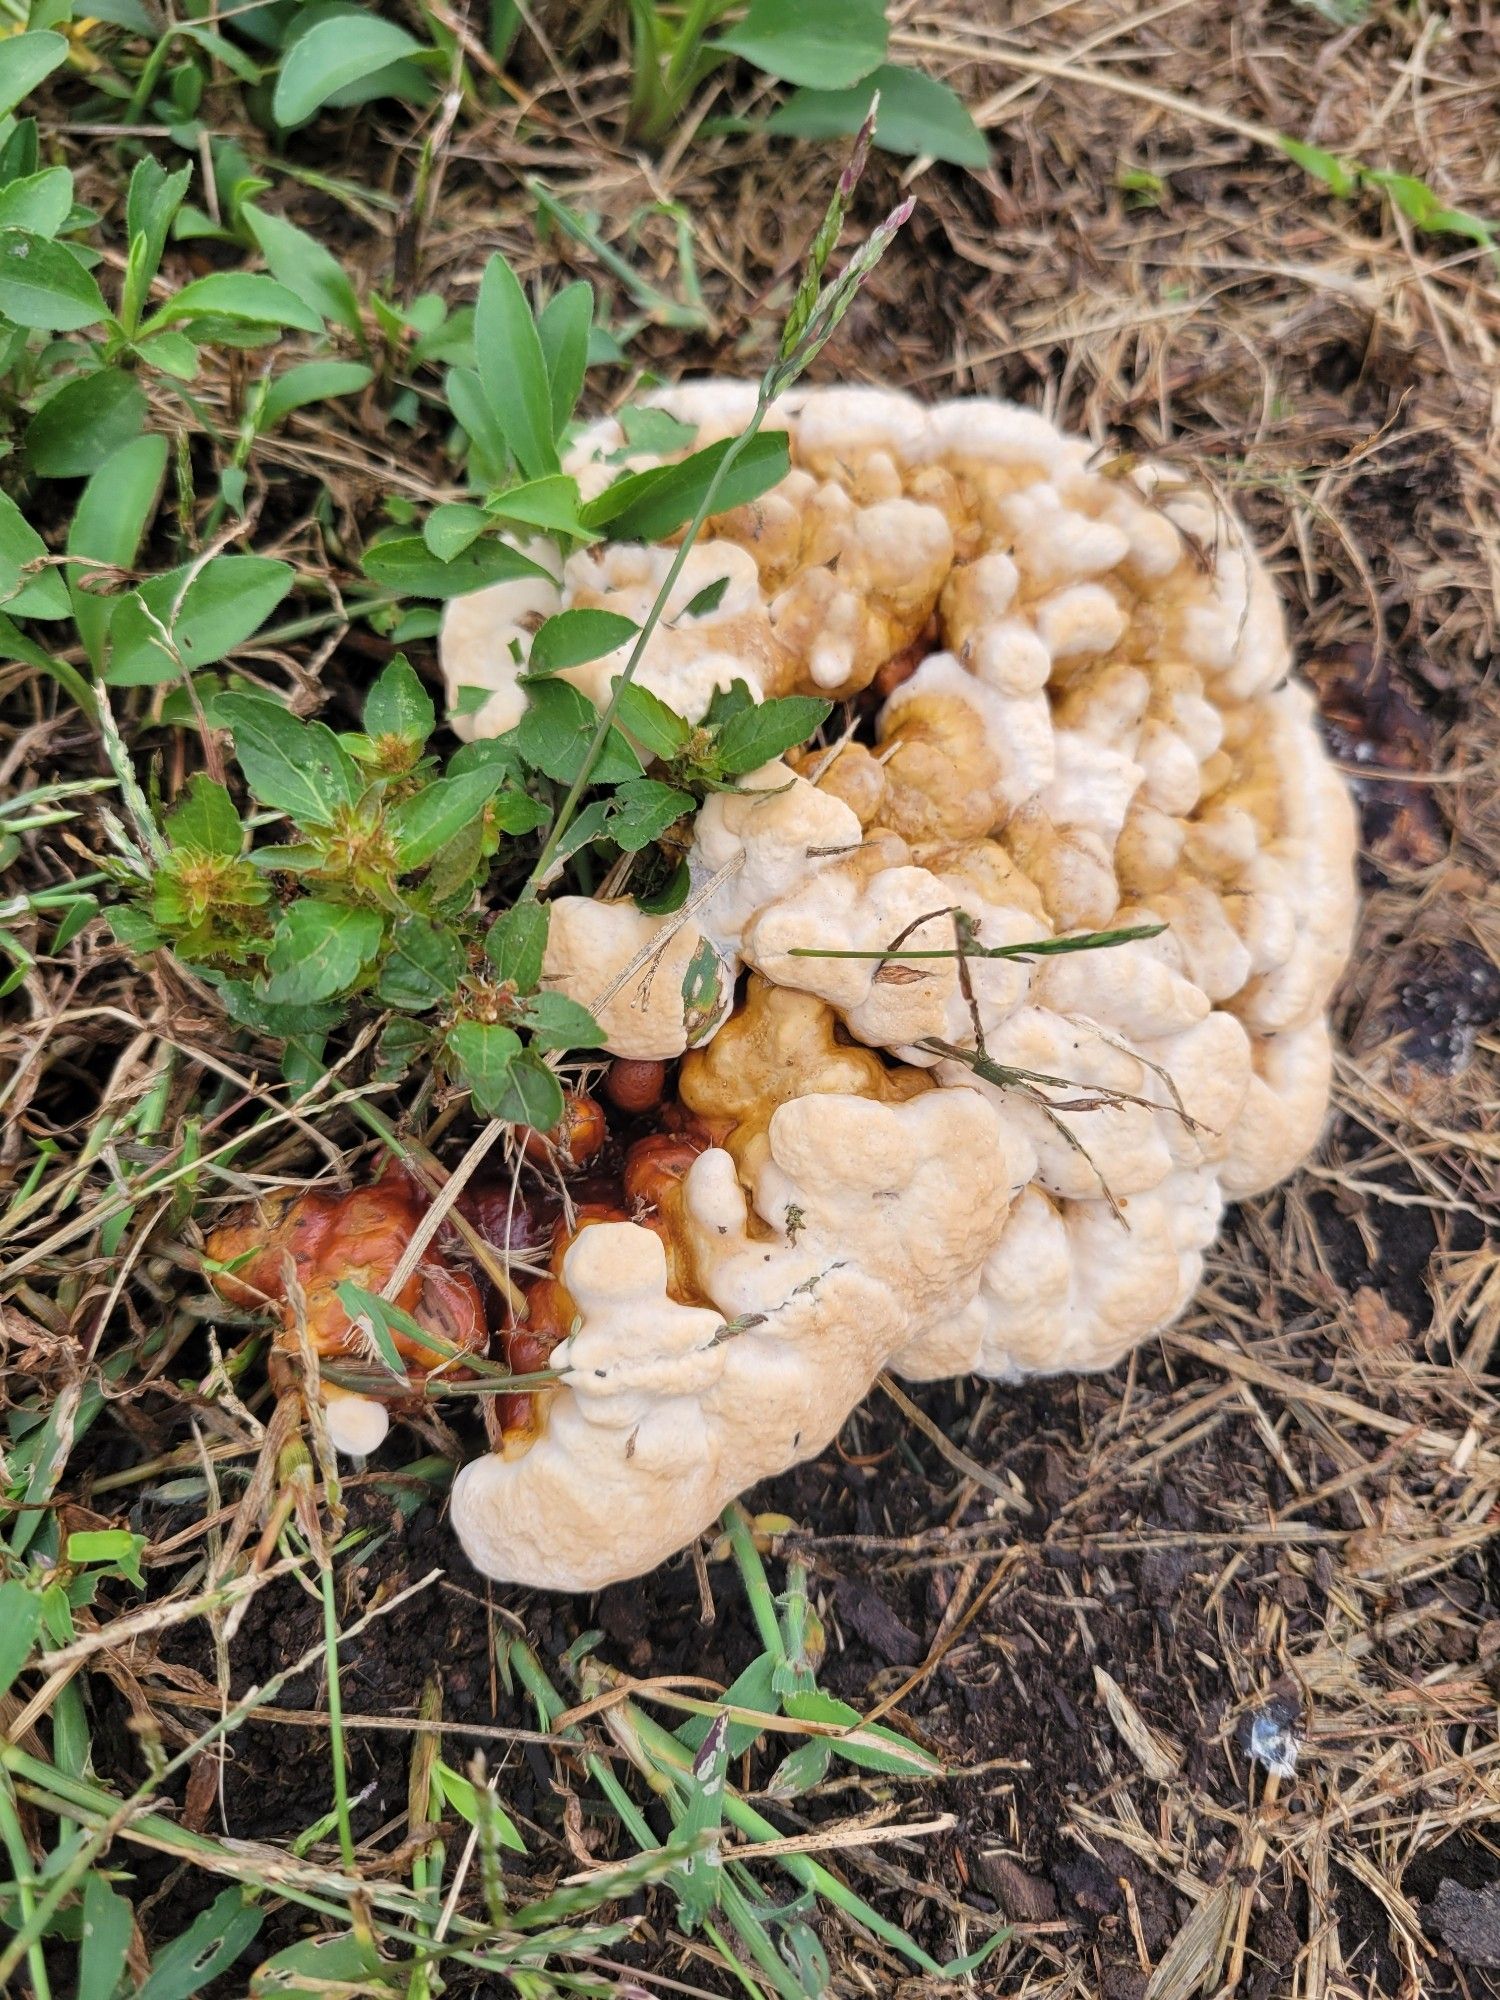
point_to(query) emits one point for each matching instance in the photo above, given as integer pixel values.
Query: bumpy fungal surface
(1074, 685)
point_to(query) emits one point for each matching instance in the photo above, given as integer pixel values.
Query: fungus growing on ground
(890, 1139)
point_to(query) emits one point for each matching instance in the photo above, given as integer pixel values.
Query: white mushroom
(1010, 1165)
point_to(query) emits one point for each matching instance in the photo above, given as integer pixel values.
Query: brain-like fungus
(889, 1138)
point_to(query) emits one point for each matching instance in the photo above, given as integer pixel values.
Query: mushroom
(291, 1253)
(1078, 716)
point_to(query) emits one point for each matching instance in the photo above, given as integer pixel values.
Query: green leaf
(516, 945)
(319, 951)
(20, 544)
(759, 735)
(459, 1793)
(642, 812)
(489, 458)
(429, 819)
(646, 717)
(332, 54)
(321, 1969)
(237, 295)
(656, 431)
(698, 1881)
(133, 929)
(209, 1946)
(405, 563)
(574, 637)
(453, 527)
(422, 967)
(24, 61)
(109, 1545)
(513, 370)
(44, 286)
(107, 1930)
(750, 1689)
(173, 353)
(113, 513)
(563, 330)
(917, 115)
(399, 705)
(74, 916)
(532, 1096)
(86, 422)
(871, 1747)
(226, 603)
(555, 1022)
(825, 44)
(666, 896)
(805, 1767)
(206, 820)
(300, 262)
(312, 382)
(1333, 172)
(20, 1621)
(703, 993)
(152, 201)
(39, 202)
(708, 599)
(649, 506)
(484, 1053)
(551, 503)
(555, 733)
(297, 768)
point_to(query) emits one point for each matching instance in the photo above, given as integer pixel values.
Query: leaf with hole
(319, 951)
(172, 626)
(209, 1946)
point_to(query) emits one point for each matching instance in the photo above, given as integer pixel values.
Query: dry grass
(1288, 1508)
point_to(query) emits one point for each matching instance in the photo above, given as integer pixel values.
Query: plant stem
(20, 1861)
(753, 1576)
(336, 1724)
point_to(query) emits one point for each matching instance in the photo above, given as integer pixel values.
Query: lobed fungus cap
(1074, 712)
